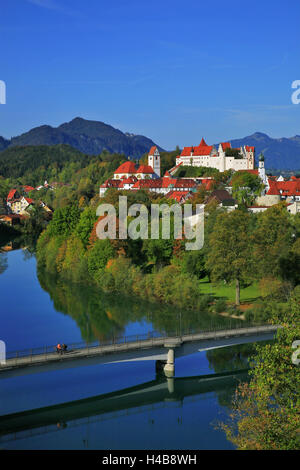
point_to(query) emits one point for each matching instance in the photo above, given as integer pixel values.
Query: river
(115, 406)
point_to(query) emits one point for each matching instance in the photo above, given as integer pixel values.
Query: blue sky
(172, 70)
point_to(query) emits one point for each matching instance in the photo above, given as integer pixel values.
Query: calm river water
(115, 406)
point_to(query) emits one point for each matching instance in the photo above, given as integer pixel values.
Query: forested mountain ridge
(90, 137)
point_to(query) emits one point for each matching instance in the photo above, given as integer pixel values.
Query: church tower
(154, 160)
(262, 171)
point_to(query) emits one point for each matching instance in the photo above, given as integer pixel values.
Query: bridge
(159, 393)
(162, 349)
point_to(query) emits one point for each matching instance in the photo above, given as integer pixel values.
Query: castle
(225, 158)
(130, 177)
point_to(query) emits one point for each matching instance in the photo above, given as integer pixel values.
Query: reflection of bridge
(163, 392)
(141, 348)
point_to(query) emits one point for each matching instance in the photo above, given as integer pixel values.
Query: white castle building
(225, 158)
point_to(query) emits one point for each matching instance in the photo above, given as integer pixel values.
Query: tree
(272, 241)
(85, 225)
(245, 187)
(65, 220)
(98, 257)
(228, 248)
(266, 411)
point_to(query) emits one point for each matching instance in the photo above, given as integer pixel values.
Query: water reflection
(147, 397)
(102, 316)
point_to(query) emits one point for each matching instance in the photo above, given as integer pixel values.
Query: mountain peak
(90, 137)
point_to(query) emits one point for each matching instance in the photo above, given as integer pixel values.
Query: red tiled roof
(249, 149)
(145, 169)
(203, 143)
(203, 150)
(28, 188)
(208, 183)
(11, 194)
(177, 195)
(130, 180)
(127, 167)
(165, 182)
(186, 151)
(29, 200)
(152, 150)
(111, 183)
(225, 145)
(284, 188)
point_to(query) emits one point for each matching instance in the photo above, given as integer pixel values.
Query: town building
(225, 158)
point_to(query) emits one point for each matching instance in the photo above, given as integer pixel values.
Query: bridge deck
(167, 341)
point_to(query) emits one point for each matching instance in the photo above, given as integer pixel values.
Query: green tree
(245, 187)
(272, 241)
(229, 251)
(65, 220)
(266, 412)
(85, 225)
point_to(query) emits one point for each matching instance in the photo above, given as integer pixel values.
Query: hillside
(90, 137)
(37, 162)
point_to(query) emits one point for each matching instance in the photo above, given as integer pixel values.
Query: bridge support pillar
(170, 381)
(169, 368)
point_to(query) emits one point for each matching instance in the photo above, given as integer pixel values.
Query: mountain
(90, 137)
(283, 153)
(4, 143)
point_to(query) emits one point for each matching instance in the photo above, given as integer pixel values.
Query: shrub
(220, 306)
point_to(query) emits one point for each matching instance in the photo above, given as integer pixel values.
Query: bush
(220, 306)
(98, 257)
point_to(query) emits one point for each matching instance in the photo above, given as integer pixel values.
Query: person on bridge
(64, 347)
(59, 349)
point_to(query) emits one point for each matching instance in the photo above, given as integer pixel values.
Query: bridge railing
(138, 338)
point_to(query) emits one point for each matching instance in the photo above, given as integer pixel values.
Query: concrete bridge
(163, 349)
(160, 393)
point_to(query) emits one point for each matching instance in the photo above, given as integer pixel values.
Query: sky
(171, 70)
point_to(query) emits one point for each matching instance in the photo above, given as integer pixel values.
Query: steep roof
(225, 145)
(127, 167)
(177, 195)
(203, 143)
(29, 200)
(145, 169)
(152, 150)
(28, 188)
(203, 149)
(11, 194)
(186, 151)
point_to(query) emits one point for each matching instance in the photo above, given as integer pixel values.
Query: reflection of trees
(103, 316)
(173, 320)
(229, 359)
(226, 395)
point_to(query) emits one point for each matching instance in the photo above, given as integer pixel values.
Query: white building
(208, 156)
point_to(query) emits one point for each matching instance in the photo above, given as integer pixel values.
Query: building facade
(225, 158)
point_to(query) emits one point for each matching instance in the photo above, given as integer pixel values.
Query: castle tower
(154, 160)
